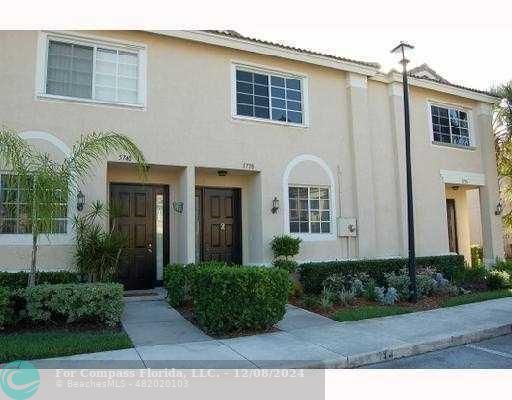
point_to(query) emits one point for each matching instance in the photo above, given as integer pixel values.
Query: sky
(472, 58)
(465, 41)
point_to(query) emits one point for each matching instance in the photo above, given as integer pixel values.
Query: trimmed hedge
(67, 303)
(177, 280)
(312, 275)
(5, 309)
(18, 280)
(228, 300)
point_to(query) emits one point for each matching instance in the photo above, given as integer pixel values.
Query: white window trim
(25, 239)
(267, 70)
(93, 41)
(467, 110)
(309, 237)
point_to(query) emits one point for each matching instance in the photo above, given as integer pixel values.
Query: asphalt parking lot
(492, 353)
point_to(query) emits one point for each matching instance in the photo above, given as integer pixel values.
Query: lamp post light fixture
(401, 49)
(80, 201)
(275, 205)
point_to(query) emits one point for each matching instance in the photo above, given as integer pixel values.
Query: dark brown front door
(452, 226)
(221, 225)
(136, 205)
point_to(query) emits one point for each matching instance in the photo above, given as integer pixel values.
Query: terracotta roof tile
(237, 35)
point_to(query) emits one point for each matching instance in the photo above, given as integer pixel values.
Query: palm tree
(502, 125)
(50, 183)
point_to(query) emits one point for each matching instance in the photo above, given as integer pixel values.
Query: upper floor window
(269, 96)
(309, 209)
(16, 210)
(90, 71)
(450, 125)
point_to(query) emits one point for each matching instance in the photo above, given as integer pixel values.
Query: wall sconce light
(275, 205)
(499, 208)
(80, 201)
(222, 172)
(177, 206)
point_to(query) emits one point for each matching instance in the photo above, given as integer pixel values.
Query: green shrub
(313, 274)
(177, 280)
(471, 275)
(18, 280)
(177, 283)
(285, 246)
(504, 266)
(230, 299)
(498, 279)
(401, 283)
(67, 303)
(477, 255)
(287, 265)
(5, 309)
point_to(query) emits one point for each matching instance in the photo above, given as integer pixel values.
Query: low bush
(498, 279)
(229, 300)
(100, 303)
(5, 309)
(287, 265)
(18, 280)
(471, 275)
(314, 274)
(177, 280)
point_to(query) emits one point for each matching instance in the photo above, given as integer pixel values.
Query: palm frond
(97, 146)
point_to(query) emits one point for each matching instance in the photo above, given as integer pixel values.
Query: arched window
(309, 199)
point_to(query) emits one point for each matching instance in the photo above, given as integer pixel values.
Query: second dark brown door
(221, 227)
(452, 226)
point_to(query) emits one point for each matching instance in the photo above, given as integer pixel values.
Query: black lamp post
(401, 48)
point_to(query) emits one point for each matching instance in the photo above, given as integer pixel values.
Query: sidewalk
(305, 339)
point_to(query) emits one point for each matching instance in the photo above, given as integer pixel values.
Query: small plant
(400, 282)
(477, 255)
(97, 251)
(327, 299)
(498, 279)
(296, 290)
(285, 247)
(369, 291)
(386, 297)
(311, 301)
(346, 297)
(358, 287)
(425, 285)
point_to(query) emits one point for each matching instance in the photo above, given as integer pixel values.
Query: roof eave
(269, 50)
(438, 86)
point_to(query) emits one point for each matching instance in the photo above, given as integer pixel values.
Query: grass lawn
(366, 312)
(46, 344)
(476, 297)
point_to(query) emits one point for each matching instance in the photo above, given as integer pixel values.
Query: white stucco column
(361, 141)
(396, 104)
(492, 230)
(186, 220)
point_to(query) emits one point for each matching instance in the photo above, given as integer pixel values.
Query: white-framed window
(15, 210)
(309, 209)
(91, 70)
(269, 96)
(450, 125)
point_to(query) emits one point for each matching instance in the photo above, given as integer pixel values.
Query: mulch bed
(426, 303)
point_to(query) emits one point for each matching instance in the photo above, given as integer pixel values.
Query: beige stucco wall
(353, 128)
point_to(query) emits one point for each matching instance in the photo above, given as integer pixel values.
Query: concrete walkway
(163, 339)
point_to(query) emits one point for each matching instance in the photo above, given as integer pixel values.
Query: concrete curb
(411, 349)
